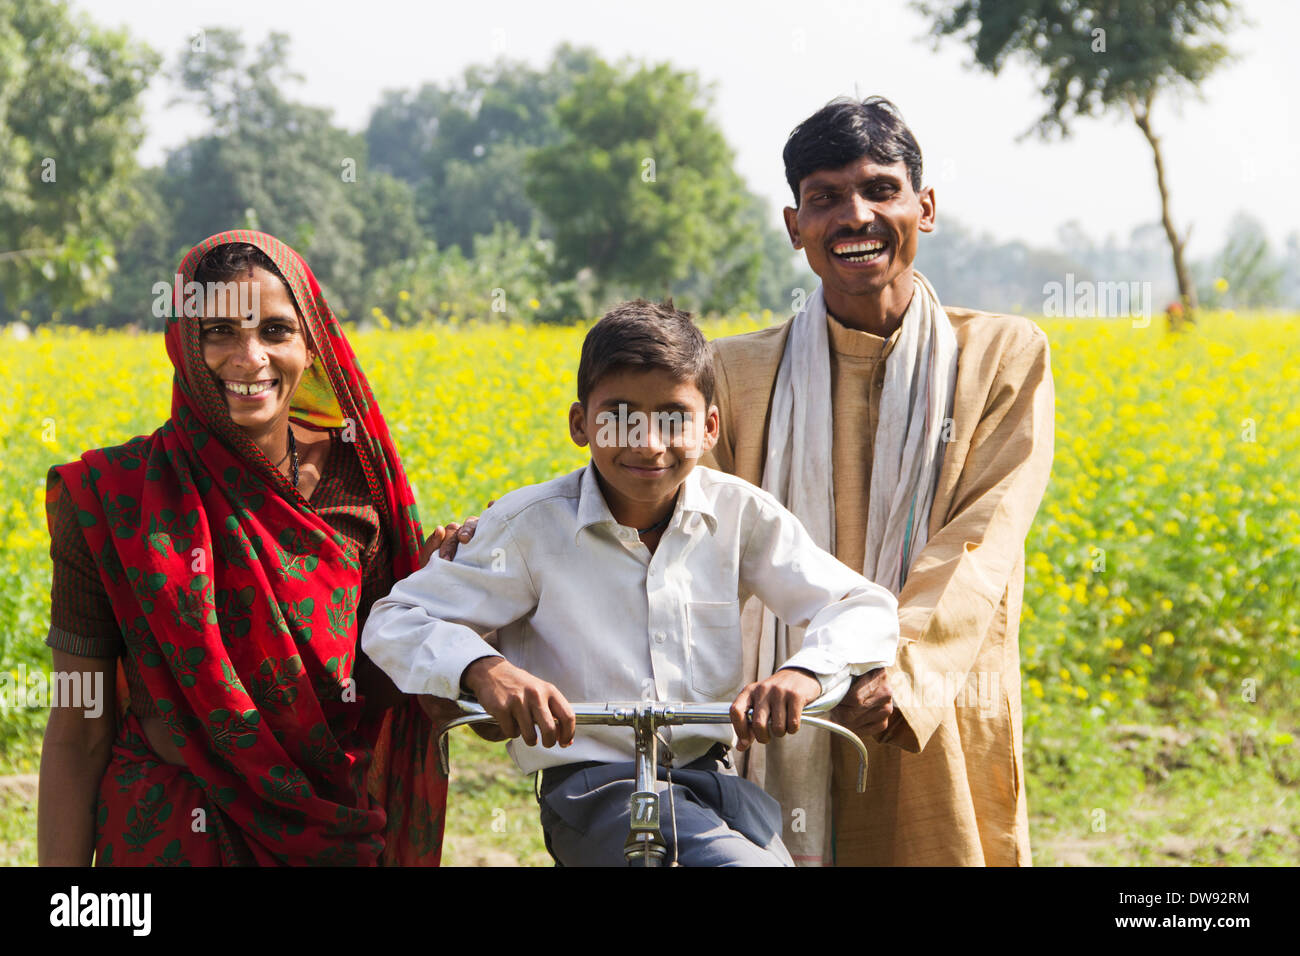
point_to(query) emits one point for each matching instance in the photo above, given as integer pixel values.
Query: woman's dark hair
(845, 130)
(643, 335)
(235, 260)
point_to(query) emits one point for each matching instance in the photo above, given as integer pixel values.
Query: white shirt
(578, 601)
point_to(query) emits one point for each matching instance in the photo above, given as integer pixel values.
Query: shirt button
(660, 637)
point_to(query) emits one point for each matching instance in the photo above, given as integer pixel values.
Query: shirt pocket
(715, 648)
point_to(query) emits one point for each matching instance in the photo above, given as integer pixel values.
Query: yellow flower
(1221, 284)
(1146, 650)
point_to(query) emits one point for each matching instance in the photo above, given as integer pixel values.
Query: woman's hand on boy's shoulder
(777, 704)
(445, 539)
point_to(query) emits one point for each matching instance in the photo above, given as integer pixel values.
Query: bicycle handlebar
(659, 714)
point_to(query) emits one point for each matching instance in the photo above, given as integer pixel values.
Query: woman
(217, 574)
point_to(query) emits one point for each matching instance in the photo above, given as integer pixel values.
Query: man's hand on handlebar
(868, 706)
(777, 703)
(521, 703)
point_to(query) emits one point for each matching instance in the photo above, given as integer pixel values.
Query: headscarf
(238, 602)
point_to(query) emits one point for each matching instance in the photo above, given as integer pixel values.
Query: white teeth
(861, 251)
(871, 246)
(242, 388)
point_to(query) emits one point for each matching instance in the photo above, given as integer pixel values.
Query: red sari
(223, 578)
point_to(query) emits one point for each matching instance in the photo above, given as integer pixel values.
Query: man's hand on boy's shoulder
(521, 703)
(777, 703)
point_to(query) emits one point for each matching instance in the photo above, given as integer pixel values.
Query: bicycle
(645, 843)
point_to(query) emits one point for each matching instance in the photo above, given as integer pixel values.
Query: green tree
(390, 230)
(269, 163)
(507, 278)
(641, 189)
(757, 269)
(147, 252)
(462, 148)
(1100, 55)
(69, 128)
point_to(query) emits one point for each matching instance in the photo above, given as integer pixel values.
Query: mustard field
(1161, 570)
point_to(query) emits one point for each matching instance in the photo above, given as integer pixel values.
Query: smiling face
(646, 430)
(258, 365)
(858, 226)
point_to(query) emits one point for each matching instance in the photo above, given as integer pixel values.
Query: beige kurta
(946, 785)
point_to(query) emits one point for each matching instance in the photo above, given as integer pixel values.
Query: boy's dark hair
(235, 260)
(644, 335)
(845, 130)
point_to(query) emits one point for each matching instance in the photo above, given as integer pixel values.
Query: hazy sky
(771, 64)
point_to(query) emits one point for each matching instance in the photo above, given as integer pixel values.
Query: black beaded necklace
(293, 454)
(656, 526)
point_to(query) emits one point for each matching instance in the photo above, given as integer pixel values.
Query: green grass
(1133, 668)
(17, 824)
(491, 811)
(1223, 792)
(1220, 792)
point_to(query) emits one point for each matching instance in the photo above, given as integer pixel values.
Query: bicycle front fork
(645, 844)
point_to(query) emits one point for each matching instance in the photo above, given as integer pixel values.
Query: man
(915, 443)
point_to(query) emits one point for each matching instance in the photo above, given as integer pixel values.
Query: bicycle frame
(645, 842)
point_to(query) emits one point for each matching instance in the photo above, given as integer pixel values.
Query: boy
(624, 580)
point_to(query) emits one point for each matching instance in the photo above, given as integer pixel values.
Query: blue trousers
(721, 819)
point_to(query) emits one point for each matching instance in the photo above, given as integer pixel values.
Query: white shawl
(915, 405)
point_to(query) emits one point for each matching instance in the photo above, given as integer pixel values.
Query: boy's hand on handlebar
(777, 703)
(521, 703)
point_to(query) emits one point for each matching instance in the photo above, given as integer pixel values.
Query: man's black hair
(844, 131)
